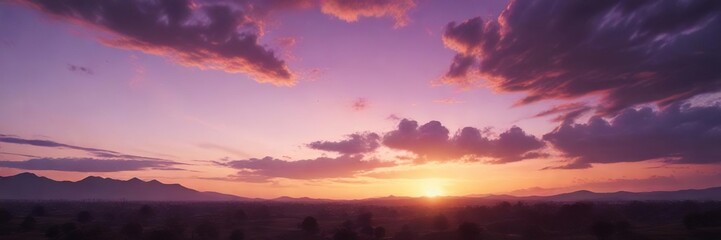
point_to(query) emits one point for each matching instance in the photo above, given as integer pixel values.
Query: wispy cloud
(89, 164)
(101, 153)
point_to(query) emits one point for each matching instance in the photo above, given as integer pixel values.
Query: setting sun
(432, 188)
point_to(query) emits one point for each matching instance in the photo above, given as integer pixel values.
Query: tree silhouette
(440, 223)
(469, 231)
(28, 223)
(132, 230)
(85, 217)
(310, 225)
(237, 234)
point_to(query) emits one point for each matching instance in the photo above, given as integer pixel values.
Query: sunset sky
(355, 99)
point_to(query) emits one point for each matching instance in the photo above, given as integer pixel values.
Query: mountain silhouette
(28, 186)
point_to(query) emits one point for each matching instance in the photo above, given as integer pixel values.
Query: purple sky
(307, 98)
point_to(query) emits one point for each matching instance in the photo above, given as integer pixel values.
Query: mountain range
(28, 186)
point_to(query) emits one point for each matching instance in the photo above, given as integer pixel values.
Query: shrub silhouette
(53, 232)
(85, 217)
(146, 212)
(237, 234)
(5, 216)
(365, 219)
(28, 223)
(345, 234)
(310, 225)
(404, 234)
(367, 231)
(239, 216)
(440, 223)
(132, 230)
(603, 229)
(469, 231)
(68, 227)
(163, 234)
(379, 232)
(39, 211)
(206, 230)
(702, 219)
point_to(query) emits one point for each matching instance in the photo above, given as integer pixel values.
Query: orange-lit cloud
(263, 169)
(432, 142)
(352, 10)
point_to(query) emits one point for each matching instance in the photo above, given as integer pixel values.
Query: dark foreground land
(430, 220)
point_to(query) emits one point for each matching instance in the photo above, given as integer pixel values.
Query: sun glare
(432, 188)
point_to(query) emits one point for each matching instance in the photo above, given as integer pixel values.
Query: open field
(431, 220)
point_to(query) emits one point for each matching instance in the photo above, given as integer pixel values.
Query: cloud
(101, 153)
(88, 164)
(81, 69)
(236, 152)
(628, 52)
(565, 112)
(352, 10)
(214, 36)
(262, 169)
(360, 104)
(431, 142)
(448, 101)
(677, 134)
(356, 143)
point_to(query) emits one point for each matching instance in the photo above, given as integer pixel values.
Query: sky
(347, 99)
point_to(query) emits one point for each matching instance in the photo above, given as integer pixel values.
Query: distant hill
(710, 194)
(28, 186)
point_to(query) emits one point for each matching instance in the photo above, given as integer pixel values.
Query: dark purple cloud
(261, 169)
(628, 52)
(356, 143)
(101, 153)
(432, 142)
(88, 164)
(217, 35)
(565, 112)
(677, 134)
